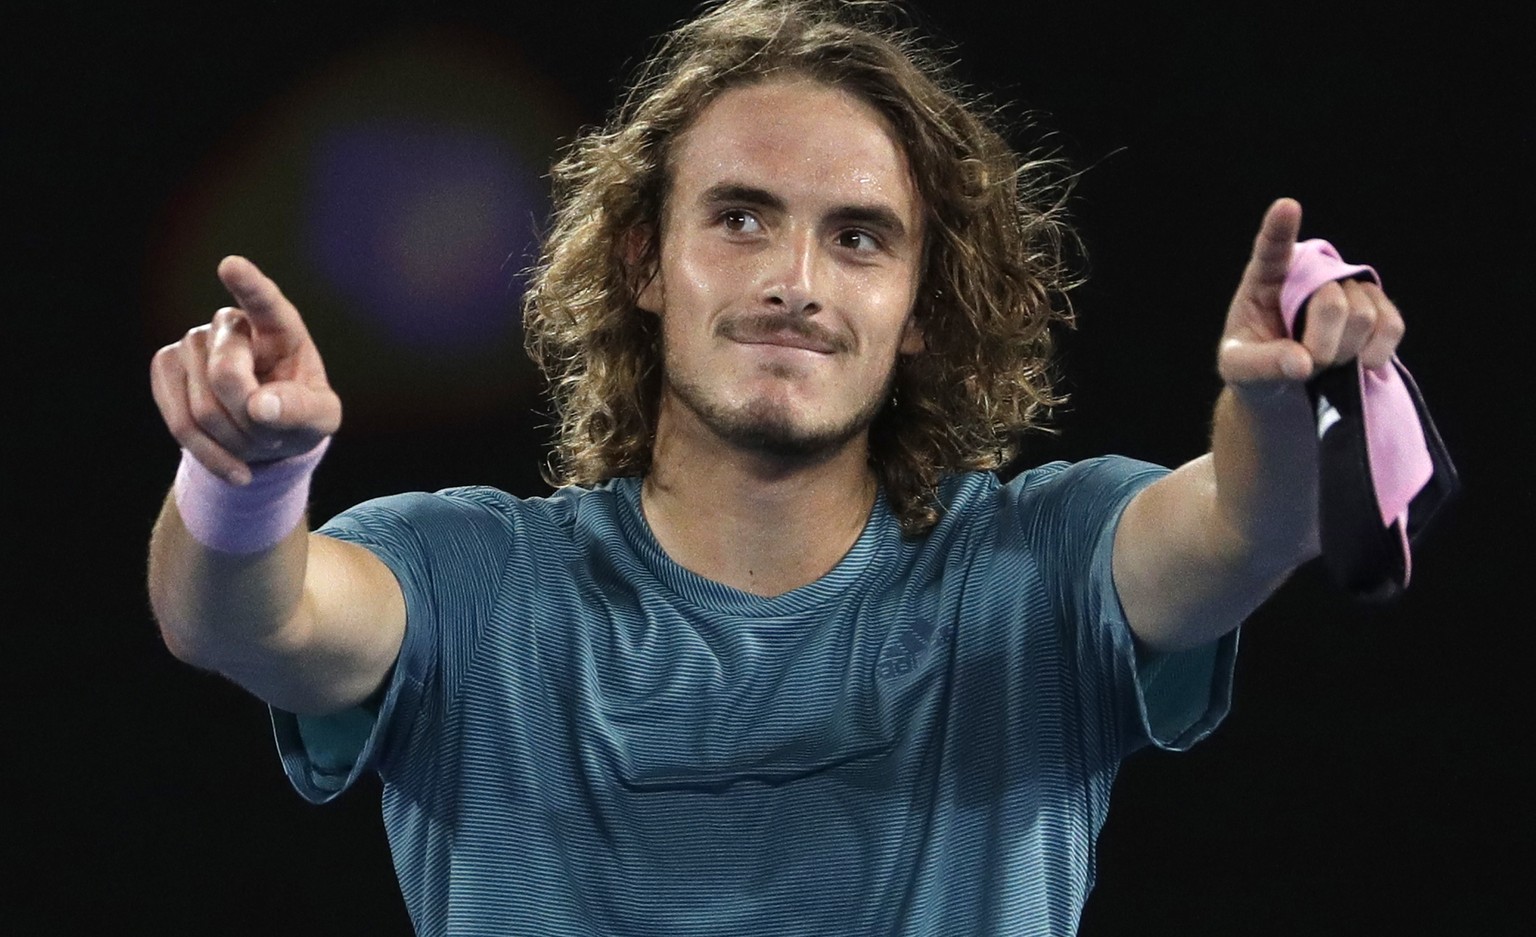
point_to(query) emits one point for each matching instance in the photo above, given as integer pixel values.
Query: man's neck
(755, 522)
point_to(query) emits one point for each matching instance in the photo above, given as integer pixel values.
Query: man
(781, 656)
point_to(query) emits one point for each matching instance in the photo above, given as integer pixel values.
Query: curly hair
(993, 282)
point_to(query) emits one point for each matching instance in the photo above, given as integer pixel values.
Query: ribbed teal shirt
(580, 737)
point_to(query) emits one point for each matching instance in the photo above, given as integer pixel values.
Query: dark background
(1373, 772)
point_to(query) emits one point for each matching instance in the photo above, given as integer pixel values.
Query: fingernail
(1295, 368)
(268, 407)
(239, 477)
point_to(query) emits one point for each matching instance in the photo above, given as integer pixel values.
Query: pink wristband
(250, 518)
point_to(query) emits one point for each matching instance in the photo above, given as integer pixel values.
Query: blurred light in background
(412, 224)
(395, 197)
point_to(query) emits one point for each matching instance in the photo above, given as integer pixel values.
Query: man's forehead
(800, 139)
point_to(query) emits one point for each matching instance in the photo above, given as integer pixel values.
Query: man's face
(789, 263)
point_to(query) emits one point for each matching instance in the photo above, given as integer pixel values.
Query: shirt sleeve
(1170, 700)
(447, 551)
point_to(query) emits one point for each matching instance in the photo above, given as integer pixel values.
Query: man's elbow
(186, 641)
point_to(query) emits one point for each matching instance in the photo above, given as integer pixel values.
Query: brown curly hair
(993, 281)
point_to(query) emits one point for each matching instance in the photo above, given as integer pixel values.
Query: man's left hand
(1344, 320)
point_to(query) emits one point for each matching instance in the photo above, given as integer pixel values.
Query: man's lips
(783, 332)
(788, 340)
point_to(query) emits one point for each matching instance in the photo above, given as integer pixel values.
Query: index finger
(1271, 258)
(270, 313)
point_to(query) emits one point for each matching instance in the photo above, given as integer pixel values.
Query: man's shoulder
(453, 511)
(1021, 501)
(994, 491)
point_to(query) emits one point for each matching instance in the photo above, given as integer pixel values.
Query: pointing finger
(271, 315)
(1271, 258)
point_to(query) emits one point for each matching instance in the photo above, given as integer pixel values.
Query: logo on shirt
(911, 647)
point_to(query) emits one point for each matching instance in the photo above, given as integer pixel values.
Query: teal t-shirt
(580, 737)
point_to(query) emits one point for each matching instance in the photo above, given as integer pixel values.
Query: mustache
(764, 327)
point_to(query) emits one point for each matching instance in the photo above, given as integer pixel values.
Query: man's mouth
(789, 340)
(784, 332)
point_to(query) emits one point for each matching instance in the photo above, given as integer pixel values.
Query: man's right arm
(305, 622)
(311, 626)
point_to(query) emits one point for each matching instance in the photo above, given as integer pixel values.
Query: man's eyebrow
(879, 217)
(735, 193)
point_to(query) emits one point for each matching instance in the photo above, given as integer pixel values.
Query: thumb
(289, 406)
(1251, 362)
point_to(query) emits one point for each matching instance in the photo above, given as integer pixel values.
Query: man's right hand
(313, 624)
(249, 386)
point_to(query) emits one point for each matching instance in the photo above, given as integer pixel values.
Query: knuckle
(208, 453)
(180, 425)
(165, 361)
(228, 324)
(204, 409)
(223, 382)
(221, 370)
(193, 347)
(1328, 305)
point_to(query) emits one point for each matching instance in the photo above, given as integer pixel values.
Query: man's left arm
(1200, 549)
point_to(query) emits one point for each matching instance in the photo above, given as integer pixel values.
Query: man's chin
(789, 445)
(774, 427)
(776, 432)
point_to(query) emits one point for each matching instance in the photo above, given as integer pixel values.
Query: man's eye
(739, 221)
(858, 240)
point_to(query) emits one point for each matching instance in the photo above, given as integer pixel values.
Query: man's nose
(791, 280)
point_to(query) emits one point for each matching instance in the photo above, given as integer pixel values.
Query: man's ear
(912, 339)
(640, 259)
